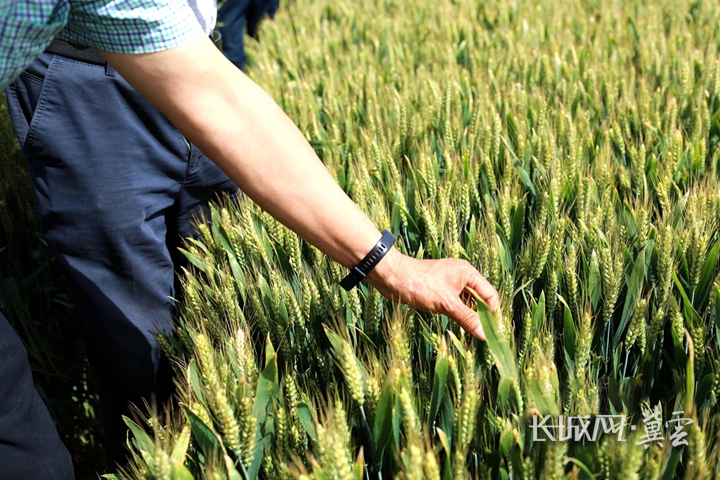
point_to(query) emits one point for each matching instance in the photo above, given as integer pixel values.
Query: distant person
(234, 17)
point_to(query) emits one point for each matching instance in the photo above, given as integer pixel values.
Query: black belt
(76, 52)
(92, 55)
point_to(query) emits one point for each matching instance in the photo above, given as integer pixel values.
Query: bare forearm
(245, 132)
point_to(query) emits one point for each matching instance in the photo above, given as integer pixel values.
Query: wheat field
(570, 151)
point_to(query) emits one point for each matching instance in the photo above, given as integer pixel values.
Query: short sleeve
(130, 26)
(26, 28)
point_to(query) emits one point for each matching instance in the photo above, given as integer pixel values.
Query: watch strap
(362, 269)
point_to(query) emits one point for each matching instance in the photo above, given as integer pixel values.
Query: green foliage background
(568, 150)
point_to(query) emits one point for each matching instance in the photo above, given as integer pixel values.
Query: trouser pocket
(25, 95)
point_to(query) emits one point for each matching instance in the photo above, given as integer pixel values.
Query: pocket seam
(40, 106)
(19, 122)
(32, 77)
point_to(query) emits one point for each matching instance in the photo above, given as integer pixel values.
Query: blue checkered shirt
(118, 26)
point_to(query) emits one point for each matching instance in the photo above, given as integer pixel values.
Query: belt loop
(109, 70)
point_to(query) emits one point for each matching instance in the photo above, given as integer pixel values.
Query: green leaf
(546, 405)
(517, 227)
(594, 282)
(175, 344)
(630, 222)
(458, 344)
(447, 468)
(569, 334)
(181, 446)
(672, 464)
(706, 276)
(411, 219)
(504, 357)
(265, 395)
(680, 355)
(634, 290)
(335, 340)
(439, 382)
(215, 219)
(506, 441)
(201, 264)
(358, 466)
(233, 474)
(142, 440)
(503, 392)
(689, 312)
(207, 439)
(586, 458)
(195, 380)
(447, 473)
(382, 426)
(503, 473)
(650, 247)
(704, 389)
(267, 385)
(263, 444)
(678, 211)
(538, 316)
(512, 131)
(717, 311)
(689, 377)
(446, 419)
(181, 472)
(235, 268)
(306, 420)
(444, 441)
(525, 179)
(396, 425)
(581, 465)
(616, 360)
(684, 269)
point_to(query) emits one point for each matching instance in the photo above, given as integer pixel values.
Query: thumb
(467, 318)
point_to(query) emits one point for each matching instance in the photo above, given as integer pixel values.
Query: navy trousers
(117, 186)
(29, 444)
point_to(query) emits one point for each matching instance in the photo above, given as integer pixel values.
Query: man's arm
(243, 130)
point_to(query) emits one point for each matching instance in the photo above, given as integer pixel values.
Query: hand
(214, 105)
(434, 286)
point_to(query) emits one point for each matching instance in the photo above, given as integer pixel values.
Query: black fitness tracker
(361, 270)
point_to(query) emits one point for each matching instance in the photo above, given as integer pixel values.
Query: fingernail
(479, 333)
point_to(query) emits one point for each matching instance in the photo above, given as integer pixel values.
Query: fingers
(466, 318)
(436, 286)
(483, 288)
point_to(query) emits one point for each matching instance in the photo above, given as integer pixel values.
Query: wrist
(385, 275)
(360, 271)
